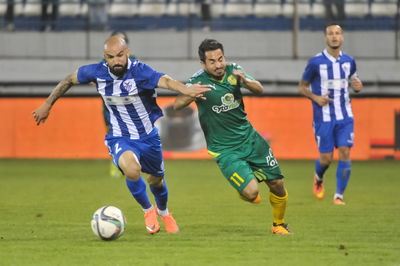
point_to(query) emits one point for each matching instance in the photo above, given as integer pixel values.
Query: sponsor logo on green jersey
(228, 103)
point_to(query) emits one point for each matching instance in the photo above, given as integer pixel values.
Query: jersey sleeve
(190, 82)
(353, 69)
(147, 77)
(238, 67)
(309, 72)
(87, 73)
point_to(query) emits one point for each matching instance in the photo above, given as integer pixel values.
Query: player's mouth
(219, 71)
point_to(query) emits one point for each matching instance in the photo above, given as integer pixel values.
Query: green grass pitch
(46, 208)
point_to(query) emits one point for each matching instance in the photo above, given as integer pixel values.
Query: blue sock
(138, 191)
(342, 176)
(319, 169)
(161, 195)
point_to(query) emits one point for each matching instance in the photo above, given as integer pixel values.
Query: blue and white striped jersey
(328, 74)
(130, 100)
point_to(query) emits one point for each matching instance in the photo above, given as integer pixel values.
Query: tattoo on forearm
(61, 88)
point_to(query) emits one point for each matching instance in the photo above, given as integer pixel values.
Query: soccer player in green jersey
(243, 156)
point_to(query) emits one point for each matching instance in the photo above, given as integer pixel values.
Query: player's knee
(325, 159)
(344, 153)
(155, 181)
(276, 187)
(250, 194)
(132, 173)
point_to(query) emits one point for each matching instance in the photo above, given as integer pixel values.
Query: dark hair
(209, 45)
(123, 33)
(332, 24)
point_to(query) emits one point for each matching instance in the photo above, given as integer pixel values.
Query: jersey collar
(219, 81)
(331, 58)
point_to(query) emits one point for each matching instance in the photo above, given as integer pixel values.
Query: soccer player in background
(329, 73)
(128, 90)
(243, 156)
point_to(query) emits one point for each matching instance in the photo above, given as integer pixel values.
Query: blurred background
(41, 42)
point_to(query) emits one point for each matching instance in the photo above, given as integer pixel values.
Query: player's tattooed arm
(62, 87)
(40, 114)
(321, 100)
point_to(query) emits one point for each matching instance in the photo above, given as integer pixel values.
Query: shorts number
(117, 148)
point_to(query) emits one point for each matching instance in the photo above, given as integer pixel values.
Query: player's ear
(128, 51)
(203, 64)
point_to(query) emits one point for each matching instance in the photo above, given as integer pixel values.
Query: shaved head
(116, 53)
(115, 42)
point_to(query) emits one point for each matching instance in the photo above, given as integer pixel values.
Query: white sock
(319, 179)
(338, 196)
(151, 208)
(163, 212)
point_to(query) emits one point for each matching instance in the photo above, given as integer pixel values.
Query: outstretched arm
(182, 101)
(40, 114)
(321, 100)
(252, 85)
(195, 91)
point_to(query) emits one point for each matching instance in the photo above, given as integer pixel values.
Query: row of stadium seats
(218, 7)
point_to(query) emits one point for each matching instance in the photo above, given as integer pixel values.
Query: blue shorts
(334, 134)
(148, 151)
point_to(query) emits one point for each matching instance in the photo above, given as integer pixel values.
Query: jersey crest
(232, 80)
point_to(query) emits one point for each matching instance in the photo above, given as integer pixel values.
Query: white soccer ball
(108, 223)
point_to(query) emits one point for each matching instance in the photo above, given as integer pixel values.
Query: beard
(118, 70)
(334, 47)
(216, 77)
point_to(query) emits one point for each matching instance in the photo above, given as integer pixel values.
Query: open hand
(40, 114)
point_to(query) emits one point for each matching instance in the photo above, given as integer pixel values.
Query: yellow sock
(278, 207)
(255, 201)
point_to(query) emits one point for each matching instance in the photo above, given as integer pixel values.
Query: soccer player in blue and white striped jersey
(330, 73)
(128, 90)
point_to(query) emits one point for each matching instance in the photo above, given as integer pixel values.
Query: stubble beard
(119, 73)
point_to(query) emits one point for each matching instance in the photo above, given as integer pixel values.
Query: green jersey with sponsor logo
(222, 116)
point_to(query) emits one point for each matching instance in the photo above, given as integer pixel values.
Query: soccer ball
(108, 223)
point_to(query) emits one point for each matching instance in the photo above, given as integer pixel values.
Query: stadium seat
(152, 8)
(123, 8)
(32, 8)
(3, 8)
(18, 9)
(238, 8)
(171, 7)
(356, 9)
(384, 8)
(71, 8)
(217, 8)
(287, 9)
(317, 9)
(184, 8)
(268, 8)
(304, 8)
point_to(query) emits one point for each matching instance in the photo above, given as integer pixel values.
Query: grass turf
(46, 208)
